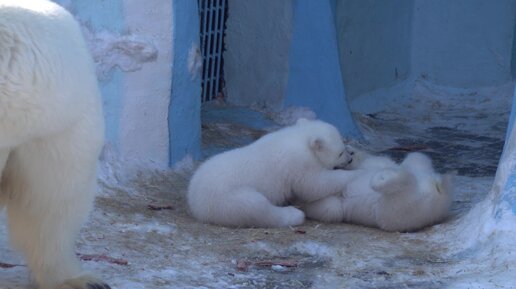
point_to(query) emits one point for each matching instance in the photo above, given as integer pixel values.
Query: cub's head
(325, 141)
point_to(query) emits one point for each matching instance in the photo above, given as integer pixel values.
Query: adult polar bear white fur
(247, 186)
(392, 197)
(51, 134)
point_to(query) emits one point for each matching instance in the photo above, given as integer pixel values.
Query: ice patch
(148, 228)
(279, 268)
(311, 248)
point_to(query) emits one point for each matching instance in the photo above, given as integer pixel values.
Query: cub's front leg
(315, 186)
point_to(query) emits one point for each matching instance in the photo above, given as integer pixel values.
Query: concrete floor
(141, 235)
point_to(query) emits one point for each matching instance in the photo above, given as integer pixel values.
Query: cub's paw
(389, 180)
(84, 282)
(292, 216)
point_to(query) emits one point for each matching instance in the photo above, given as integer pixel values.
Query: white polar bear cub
(388, 196)
(246, 187)
(51, 134)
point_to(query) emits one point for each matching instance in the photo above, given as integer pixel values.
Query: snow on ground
(140, 234)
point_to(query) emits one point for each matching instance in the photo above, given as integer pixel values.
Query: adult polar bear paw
(84, 282)
(51, 135)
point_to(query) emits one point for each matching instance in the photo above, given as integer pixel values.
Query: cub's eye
(341, 154)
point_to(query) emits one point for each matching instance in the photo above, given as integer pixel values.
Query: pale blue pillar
(315, 79)
(507, 168)
(184, 112)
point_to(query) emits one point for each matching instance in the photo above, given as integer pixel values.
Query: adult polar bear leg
(51, 183)
(248, 207)
(4, 154)
(51, 121)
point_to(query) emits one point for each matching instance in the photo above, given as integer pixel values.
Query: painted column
(184, 118)
(315, 78)
(506, 199)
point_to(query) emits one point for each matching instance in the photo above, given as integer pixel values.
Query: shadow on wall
(459, 44)
(464, 44)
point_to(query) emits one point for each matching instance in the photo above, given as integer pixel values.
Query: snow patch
(194, 61)
(148, 228)
(262, 247)
(290, 115)
(185, 165)
(312, 248)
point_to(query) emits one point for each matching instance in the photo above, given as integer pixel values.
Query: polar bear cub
(389, 196)
(247, 186)
(51, 134)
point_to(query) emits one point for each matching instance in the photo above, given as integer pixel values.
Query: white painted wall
(131, 44)
(144, 136)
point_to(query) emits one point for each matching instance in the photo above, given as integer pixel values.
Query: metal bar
(213, 49)
(207, 20)
(202, 16)
(212, 15)
(219, 48)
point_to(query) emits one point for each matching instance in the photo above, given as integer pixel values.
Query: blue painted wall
(463, 43)
(513, 55)
(374, 40)
(315, 78)
(184, 111)
(284, 53)
(257, 45)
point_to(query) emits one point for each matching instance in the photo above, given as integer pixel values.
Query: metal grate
(213, 14)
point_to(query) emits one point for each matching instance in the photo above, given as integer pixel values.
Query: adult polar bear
(51, 134)
(248, 186)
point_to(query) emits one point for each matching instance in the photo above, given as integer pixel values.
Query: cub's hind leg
(392, 181)
(328, 209)
(249, 208)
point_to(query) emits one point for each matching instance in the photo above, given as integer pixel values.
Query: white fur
(51, 133)
(392, 197)
(247, 186)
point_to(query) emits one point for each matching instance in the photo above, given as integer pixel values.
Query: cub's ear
(316, 144)
(445, 185)
(301, 121)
